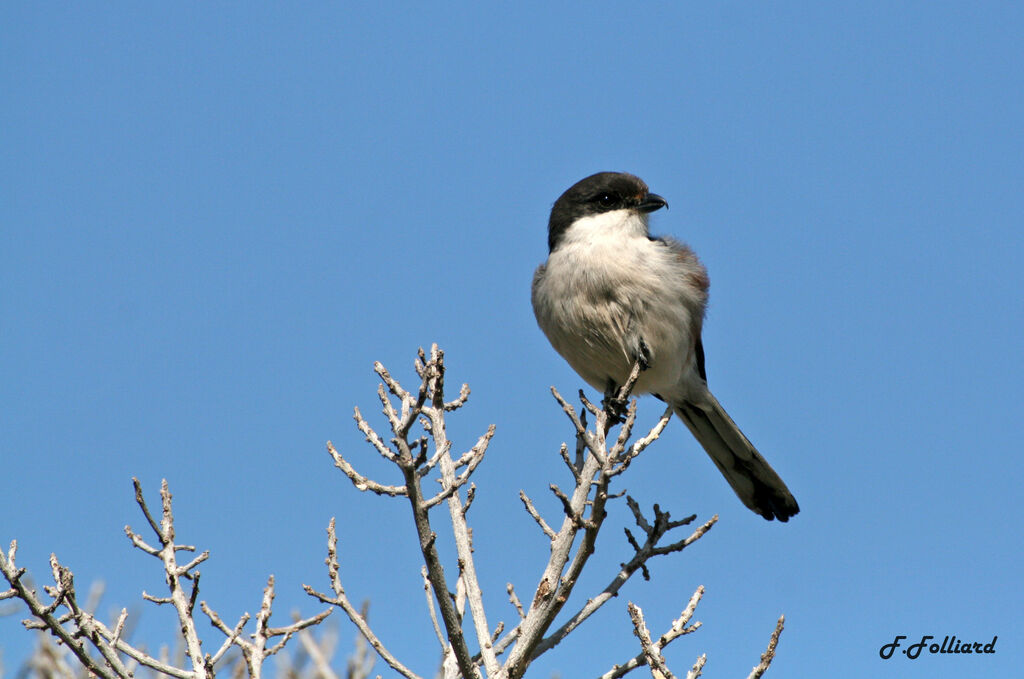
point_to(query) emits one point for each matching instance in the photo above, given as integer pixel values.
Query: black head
(596, 194)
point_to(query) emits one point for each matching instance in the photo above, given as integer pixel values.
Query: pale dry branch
(140, 657)
(361, 482)
(79, 630)
(574, 466)
(470, 496)
(460, 480)
(258, 649)
(139, 542)
(389, 411)
(680, 626)
(569, 508)
(433, 380)
(570, 412)
(230, 634)
(602, 454)
(429, 591)
(584, 511)
(629, 453)
(320, 659)
(651, 651)
(460, 401)
(341, 601)
(427, 406)
(44, 614)
(182, 602)
(373, 437)
(769, 653)
(156, 599)
(536, 516)
(425, 466)
(514, 600)
(698, 667)
(84, 627)
(638, 562)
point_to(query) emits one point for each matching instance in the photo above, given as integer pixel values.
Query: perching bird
(610, 294)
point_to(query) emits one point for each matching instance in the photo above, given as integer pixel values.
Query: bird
(611, 295)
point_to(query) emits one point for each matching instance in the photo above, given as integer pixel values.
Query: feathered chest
(628, 271)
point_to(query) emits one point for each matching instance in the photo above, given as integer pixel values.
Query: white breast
(606, 286)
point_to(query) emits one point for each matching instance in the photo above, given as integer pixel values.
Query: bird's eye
(606, 199)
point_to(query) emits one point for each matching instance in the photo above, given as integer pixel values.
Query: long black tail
(749, 474)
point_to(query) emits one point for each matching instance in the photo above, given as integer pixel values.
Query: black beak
(652, 202)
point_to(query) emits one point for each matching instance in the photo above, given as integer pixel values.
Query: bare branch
(141, 501)
(570, 412)
(575, 515)
(388, 409)
(680, 626)
(13, 575)
(341, 600)
(231, 635)
(470, 496)
(119, 627)
(433, 380)
(140, 543)
(428, 590)
(155, 599)
(682, 544)
(698, 667)
(536, 516)
(373, 437)
(184, 570)
(317, 656)
(454, 486)
(460, 401)
(183, 604)
(769, 653)
(584, 510)
(361, 482)
(514, 600)
(652, 652)
(627, 455)
(297, 626)
(477, 451)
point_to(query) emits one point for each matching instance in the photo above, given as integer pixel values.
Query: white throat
(607, 226)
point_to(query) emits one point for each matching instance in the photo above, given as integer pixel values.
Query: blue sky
(215, 217)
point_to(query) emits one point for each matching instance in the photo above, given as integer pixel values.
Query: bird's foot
(613, 405)
(643, 355)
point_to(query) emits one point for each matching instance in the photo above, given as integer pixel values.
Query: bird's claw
(613, 405)
(643, 355)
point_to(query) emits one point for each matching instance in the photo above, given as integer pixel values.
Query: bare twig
(183, 602)
(680, 626)
(651, 650)
(698, 667)
(79, 625)
(14, 576)
(341, 600)
(769, 653)
(358, 480)
(536, 515)
(591, 493)
(258, 649)
(434, 381)
(429, 591)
